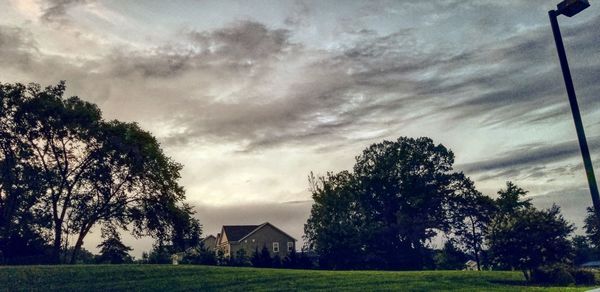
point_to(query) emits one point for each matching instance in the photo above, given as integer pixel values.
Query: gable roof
(209, 237)
(237, 232)
(265, 224)
(240, 232)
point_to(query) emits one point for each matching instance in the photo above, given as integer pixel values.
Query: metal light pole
(570, 8)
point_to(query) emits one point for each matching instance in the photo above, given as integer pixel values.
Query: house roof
(591, 264)
(208, 237)
(237, 232)
(265, 224)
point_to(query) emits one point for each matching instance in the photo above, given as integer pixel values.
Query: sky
(252, 96)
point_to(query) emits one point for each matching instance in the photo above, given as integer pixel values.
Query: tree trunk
(477, 260)
(527, 276)
(57, 243)
(84, 231)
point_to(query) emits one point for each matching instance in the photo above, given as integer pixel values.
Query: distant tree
(112, 249)
(510, 200)
(384, 213)
(291, 261)
(240, 259)
(530, 239)
(450, 257)
(583, 250)
(261, 259)
(276, 261)
(592, 227)
(83, 257)
(472, 213)
(199, 256)
(160, 255)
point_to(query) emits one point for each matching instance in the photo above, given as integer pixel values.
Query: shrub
(562, 276)
(552, 275)
(584, 277)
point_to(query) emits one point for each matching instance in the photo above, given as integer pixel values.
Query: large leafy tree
(89, 171)
(531, 238)
(383, 214)
(22, 224)
(336, 223)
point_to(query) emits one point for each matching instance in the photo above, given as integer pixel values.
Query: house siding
(265, 236)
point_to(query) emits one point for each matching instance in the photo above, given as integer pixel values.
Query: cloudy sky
(251, 96)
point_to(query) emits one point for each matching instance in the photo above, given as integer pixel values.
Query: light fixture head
(572, 7)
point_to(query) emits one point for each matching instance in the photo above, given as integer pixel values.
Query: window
(275, 246)
(246, 241)
(253, 240)
(290, 246)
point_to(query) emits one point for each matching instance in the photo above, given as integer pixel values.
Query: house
(254, 237)
(209, 243)
(471, 265)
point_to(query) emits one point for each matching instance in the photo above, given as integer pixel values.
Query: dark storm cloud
(17, 47)
(534, 158)
(528, 78)
(224, 84)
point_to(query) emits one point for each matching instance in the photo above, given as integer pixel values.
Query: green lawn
(184, 277)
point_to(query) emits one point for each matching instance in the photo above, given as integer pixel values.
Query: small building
(471, 265)
(591, 265)
(254, 237)
(209, 243)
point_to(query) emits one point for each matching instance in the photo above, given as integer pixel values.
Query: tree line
(401, 195)
(65, 170)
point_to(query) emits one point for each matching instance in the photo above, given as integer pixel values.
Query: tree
(472, 213)
(22, 236)
(261, 259)
(530, 239)
(86, 171)
(583, 250)
(450, 257)
(159, 255)
(112, 249)
(510, 200)
(592, 227)
(333, 229)
(383, 213)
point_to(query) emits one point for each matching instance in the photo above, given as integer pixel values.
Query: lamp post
(570, 8)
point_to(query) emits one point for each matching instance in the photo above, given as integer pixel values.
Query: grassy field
(183, 277)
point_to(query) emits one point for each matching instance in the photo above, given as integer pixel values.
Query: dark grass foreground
(183, 277)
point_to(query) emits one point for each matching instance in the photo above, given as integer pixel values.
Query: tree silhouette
(382, 214)
(88, 171)
(112, 249)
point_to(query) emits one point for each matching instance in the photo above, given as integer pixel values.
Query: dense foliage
(530, 239)
(383, 214)
(64, 170)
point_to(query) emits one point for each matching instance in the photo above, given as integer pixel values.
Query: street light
(570, 8)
